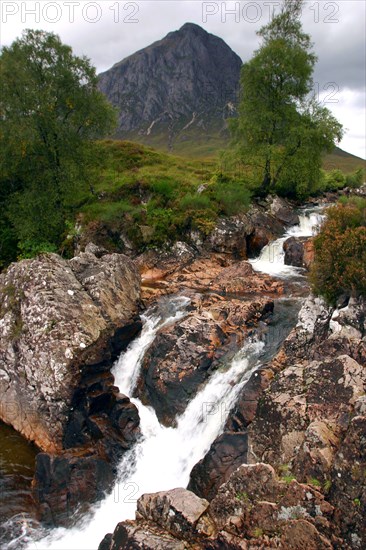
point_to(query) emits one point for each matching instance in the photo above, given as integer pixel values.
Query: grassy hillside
(151, 197)
(343, 161)
(194, 144)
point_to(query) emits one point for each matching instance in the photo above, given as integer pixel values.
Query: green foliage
(356, 179)
(287, 478)
(192, 201)
(30, 248)
(314, 482)
(327, 485)
(242, 496)
(233, 197)
(334, 180)
(280, 133)
(340, 251)
(51, 110)
(161, 200)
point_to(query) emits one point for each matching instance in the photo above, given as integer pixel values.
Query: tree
(281, 131)
(50, 113)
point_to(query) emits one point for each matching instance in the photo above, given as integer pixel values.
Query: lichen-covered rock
(62, 323)
(324, 331)
(253, 509)
(56, 318)
(303, 414)
(229, 236)
(142, 536)
(177, 511)
(348, 483)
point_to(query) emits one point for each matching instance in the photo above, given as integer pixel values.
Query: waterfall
(127, 369)
(164, 457)
(272, 258)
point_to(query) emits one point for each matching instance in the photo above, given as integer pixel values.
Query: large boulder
(303, 415)
(229, 236)
(266, 228)
(62, 324)
(58, 320)
(294, 251)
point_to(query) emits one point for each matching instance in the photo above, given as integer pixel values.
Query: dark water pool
(17, 509)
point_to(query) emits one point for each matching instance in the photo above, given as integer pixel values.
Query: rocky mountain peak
(185, 84)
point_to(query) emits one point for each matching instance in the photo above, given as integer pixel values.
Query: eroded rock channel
(256, 408)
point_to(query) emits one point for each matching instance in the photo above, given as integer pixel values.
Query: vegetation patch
(340, 251)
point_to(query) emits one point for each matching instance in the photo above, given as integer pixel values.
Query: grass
(154, 198)
(198, 145)
(138, 187)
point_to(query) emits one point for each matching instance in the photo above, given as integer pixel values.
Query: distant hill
(343, 160)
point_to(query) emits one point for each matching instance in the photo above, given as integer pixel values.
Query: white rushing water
(164, 457)
(272, 258)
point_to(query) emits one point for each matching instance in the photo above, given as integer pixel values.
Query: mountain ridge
(188, 80)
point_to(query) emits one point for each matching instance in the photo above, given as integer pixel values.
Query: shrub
(233, 197)
(334, 180)
(355, 179)
(340, 252)
(194, 202)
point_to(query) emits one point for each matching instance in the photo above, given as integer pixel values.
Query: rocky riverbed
(285, 462)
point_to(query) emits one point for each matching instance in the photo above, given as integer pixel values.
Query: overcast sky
(107, 31)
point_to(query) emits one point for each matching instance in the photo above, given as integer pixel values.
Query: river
(164, 456)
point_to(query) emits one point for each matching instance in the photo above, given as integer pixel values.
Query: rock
(303, 414)
(225, 455)
(62, 324)
(294, 251)
(312, 327)
(348, 484)
(240, 278)
(299, 251)
(57, 318)
(283, 211)
(97, 251)
(128, 535)
(254, 503)
(180, 84)
(229, 236)
(245, 408)
(266, 229)
(177, 511)
(215, 273)
(324, 331)
(253, 509)
(63, 481)
(185, 354)
(157, 264)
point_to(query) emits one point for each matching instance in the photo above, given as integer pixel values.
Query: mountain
(180, 88)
